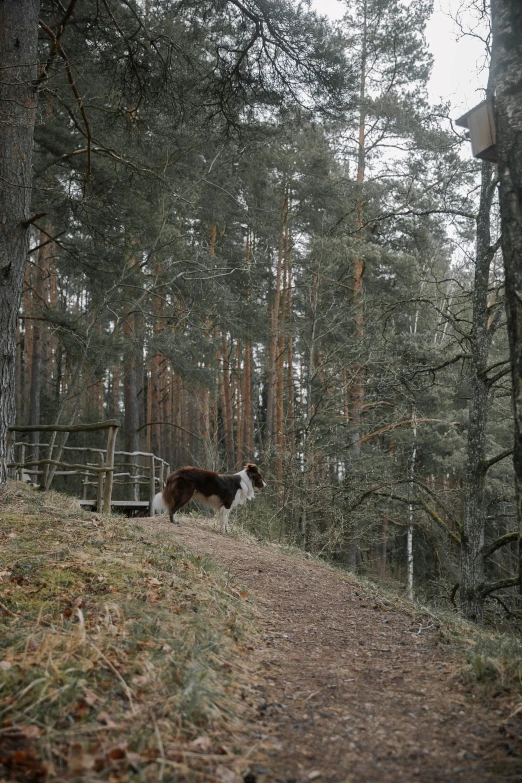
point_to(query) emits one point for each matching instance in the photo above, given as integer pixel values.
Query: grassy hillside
(125, 656)
(116, 653)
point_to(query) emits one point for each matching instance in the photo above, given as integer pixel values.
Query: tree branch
(502, 583)
(488, 463)
(454, 593)
(29, 221)
(487, 551)
(428, 509)
(390, 427)
(169, 424)
(44, 74)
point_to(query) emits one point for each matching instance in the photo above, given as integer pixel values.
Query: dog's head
(254, 474)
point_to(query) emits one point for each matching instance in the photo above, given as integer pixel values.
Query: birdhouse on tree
(480, 122)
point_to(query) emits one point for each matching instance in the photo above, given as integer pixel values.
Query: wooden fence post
(161, 475)
(109, 473)
(99, 494)
(22, 460)
(10, 451)
(152, 482)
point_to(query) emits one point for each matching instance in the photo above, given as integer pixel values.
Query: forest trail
(352, 688)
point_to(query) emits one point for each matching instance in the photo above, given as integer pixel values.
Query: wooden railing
(151, 474)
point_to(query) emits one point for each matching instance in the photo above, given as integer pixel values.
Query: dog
(221, 492)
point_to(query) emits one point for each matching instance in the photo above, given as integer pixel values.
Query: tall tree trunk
(176, 418)
(18, 58)
(28, 307)
(226, 403)
(507, 73)
(358, 264)
(130, 395)
(248, 413)
(240, 408)
(39, 298)
(290, 413)
(280, 369)
(409, 544)
(472, 563)
(271, 413)
(246, 392)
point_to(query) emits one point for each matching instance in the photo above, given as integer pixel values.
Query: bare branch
(500, 585)
(487, 464)
(487, 551)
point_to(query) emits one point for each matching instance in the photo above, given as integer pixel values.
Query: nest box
(480, 122)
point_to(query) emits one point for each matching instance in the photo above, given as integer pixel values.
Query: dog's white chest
(239, 499)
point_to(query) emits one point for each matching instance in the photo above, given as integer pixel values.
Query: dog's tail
(158, 504)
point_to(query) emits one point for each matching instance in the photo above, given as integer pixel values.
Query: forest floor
(355, 687)
(132, 650)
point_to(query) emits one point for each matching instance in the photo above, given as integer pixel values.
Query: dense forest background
(257, 240)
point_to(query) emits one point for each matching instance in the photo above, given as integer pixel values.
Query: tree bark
(130, 394)
(240, 408)
(358, 263)
(271, 414)
(18, 58)
(507, 74)
(35, 388)
(246, 391)
(228, 415)
(471, 558)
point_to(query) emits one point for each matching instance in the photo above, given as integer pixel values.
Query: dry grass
(121, 658)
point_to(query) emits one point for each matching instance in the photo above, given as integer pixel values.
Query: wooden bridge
(99, 473)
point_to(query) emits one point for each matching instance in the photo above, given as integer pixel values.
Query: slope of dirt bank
(122, 659)
(351, 688)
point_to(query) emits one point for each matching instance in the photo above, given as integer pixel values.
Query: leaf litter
(120, 659)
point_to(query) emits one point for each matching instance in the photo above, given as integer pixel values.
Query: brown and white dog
(221, 492)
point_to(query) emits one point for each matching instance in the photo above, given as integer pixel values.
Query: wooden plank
(109, 466)
(78, 467)
(130, 503)
(162, 474)
(117, 503)
(22, 460)
(99, 492)
(100, 425)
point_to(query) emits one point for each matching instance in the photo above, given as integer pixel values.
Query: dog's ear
(251, 469)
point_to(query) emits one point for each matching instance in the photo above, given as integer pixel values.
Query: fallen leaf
(90, 697)
(30, 732)
(118, 752)
(201, 743)
(5, 665)
(226, 775)
(105, 718)
(314, 775)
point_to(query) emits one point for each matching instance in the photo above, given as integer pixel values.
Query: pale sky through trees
(458, 70)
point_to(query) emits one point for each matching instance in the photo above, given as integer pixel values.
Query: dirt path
(356, 690)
